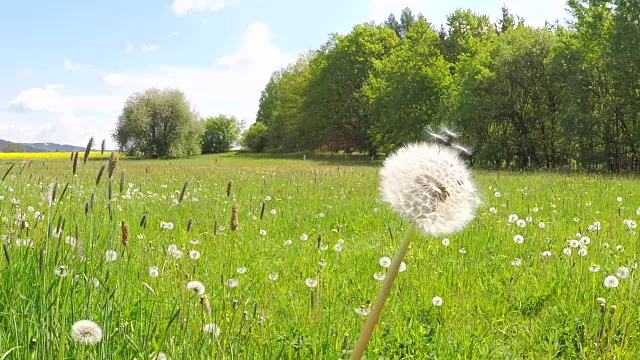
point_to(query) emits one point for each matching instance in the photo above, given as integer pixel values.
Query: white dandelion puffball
(110, 255)
(437, 301)
(212, 329)
(429, 185)
(196, 287)
(86, 332)
(611, 282)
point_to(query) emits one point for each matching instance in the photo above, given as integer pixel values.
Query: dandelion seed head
(622, 272)
(429, 185)
(437, 301)
(212, 329)
(311, 282)
(611, 282)
(594, 268)
(518, 239)
(194, 254)
(86, 332)
(385, 261)
(111, 255)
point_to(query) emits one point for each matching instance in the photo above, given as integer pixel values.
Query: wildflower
(110, 255)
(519, 239)
(194, 241)
(160, 356)
(575, 219)
(194, 254)
(153, 272)
(384, 261)
(86, 332)
(429, 185)
(273, 211)
(541, 225)
(61, 271)
(437, 301)
(497, 194)
(619, 199)
(196, 287)
(212, 329)
(311, 282)
(611, 282)
(529, 219)
(363, 311)
(535, 209)
(462, 251)
(263, 232)
(622, 272)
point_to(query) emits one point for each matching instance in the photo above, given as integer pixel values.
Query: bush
(255, 138)
(220, 134)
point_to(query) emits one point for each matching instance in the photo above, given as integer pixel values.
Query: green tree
(221, 133)
(158, 124)
(10, 147)
(255, 138)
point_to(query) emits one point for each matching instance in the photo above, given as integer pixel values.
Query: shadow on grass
(326, 158)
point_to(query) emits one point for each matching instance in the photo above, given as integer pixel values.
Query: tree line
(553, 96)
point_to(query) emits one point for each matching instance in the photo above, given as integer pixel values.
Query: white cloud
(231, 85)
(128, 47)
(149, 48)
(181, 7)
(175, 33)
(68, 65)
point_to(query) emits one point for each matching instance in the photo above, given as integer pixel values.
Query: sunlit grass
(47, 155)
(543, 308)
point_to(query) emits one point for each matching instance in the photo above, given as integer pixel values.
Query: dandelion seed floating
(431, 187)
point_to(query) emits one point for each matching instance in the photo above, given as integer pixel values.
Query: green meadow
(296, 278)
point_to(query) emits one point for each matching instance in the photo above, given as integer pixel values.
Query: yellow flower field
(49, 155)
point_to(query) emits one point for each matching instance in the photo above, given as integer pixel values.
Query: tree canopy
(221, 133)
(553, 96)
(158, 124)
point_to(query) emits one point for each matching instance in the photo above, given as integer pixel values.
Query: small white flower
(518, 239)
(541, 225)
(384, 261)
(263, 232)
(611, 282)
(437, 301)
(70, 240)
(311, 282)
(535, 209)
(110, 255)
(273, 211)
(86, 332)
(619, 199)
(529, 219)
(196, 287)
(575, 219)
(497, 194)
(462, 251)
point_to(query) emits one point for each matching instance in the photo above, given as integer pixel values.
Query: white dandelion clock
(429, 185)
(86, 332)
(611, 282)
(212, 329)
(196, 287)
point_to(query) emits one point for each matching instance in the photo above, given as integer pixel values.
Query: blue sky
(68, 66)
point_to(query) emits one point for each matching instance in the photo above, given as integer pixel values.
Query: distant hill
(42, 147)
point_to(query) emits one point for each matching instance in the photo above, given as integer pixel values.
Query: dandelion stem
(374, 315)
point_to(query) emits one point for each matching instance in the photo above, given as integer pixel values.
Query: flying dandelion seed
(196, 287)
(611, 282)
(86, 332)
